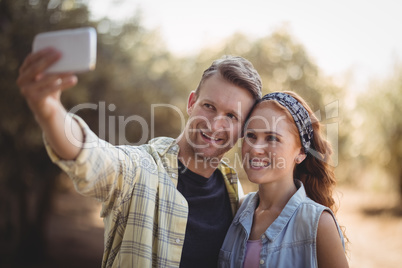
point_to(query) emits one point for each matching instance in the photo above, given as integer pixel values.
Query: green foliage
(282, 63)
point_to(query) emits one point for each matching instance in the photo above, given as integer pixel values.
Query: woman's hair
(236, 70)
(315, 171)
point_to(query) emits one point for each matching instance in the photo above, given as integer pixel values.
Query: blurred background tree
(379, 132)
(26, 178)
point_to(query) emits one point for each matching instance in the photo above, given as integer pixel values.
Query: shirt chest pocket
(224, 259)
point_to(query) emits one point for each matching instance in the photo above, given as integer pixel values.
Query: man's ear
(190, 103)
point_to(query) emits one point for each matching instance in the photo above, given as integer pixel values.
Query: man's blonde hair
(236, 70)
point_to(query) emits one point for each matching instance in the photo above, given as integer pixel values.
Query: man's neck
(196, 163)
(199, 165)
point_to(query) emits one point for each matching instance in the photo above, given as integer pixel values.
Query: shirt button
(183, 202)
(262, 261)
(263, 236)
(174, 175)
(177, 240)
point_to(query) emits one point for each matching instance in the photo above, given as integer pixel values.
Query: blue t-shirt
(209, 218)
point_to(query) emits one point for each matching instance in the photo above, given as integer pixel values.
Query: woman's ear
(300, 157)
(190, 103)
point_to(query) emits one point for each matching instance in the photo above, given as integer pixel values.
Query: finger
(34, 71)
(68, 81)
(48, 85)
(59, 85)
(36, 64)
(34, 57)
(30, 90)
(25, 63)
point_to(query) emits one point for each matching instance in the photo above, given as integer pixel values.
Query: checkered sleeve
(100, 169)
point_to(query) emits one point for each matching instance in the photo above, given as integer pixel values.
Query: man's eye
(209, 106)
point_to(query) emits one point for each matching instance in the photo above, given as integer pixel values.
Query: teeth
(259, 164)
(209, 137)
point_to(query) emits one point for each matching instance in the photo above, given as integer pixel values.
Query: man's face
(216, 118)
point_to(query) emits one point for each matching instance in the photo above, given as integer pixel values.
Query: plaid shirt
(145, 216)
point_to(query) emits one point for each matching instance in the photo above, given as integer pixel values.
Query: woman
(290, 221)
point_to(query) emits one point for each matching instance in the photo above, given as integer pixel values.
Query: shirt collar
(294, 202)
(245, 218)
(165, 145)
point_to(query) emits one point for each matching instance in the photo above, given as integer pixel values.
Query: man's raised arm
(42, 93)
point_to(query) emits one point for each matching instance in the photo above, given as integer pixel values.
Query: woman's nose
(258, 148)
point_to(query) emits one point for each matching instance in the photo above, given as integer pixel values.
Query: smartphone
(77, 46)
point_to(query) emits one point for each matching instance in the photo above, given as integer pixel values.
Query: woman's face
(271, 145)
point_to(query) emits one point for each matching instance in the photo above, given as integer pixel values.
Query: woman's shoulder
(309, 212)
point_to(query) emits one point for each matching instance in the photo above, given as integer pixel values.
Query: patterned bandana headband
(299, 114)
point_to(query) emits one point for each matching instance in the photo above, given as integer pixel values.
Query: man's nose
(220, 123)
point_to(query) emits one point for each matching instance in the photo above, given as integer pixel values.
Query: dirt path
(75, 233)
(374, 231)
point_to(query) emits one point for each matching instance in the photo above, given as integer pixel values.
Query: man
(167, 203)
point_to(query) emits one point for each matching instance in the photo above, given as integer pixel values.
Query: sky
(362, 36)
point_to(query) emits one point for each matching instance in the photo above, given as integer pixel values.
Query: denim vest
(290, 241)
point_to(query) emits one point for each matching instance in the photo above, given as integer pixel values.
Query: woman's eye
(232, 116)
(272, 138)
(250, 135)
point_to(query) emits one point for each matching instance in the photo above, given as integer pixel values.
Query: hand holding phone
(77, 46)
